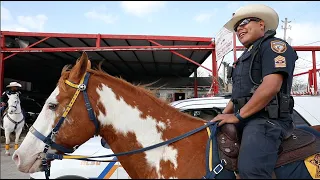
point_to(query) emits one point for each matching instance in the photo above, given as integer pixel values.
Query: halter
(49, 140)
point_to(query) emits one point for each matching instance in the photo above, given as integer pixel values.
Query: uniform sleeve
(277, 58)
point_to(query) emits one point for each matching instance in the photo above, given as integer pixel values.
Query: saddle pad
(298, 139)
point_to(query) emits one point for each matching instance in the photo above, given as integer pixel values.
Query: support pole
(2, 45)
(315, 85)
(195, 83)
(214, 73)
(98, 41)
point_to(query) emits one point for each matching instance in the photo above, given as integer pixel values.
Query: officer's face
(249, 31)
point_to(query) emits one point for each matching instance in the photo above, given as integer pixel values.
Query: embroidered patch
(313, 165)
(280, 62)
(278, 46)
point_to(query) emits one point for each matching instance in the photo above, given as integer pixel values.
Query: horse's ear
(80, 68)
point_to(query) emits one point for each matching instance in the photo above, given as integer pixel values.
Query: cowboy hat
(14, 84)
(266, 13)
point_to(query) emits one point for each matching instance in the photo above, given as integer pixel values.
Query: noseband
(49, 140)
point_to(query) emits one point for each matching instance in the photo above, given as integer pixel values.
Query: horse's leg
(7, 146)
(18, 133)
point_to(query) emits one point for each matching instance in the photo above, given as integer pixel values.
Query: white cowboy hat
(266, 13)
(14, 84)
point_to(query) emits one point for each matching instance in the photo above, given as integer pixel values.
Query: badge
(278, 46)
(280, 62)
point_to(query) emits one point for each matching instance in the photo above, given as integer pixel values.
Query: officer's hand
(3, 104)
(225, 118)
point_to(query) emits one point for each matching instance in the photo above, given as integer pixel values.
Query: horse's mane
(98, 71)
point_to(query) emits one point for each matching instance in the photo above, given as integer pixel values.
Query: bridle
(49, 140)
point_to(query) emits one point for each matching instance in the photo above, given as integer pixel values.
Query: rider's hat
(14, 84)
(266, 13)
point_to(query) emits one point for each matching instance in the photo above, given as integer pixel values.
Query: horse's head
(57, 106)
(13, 103)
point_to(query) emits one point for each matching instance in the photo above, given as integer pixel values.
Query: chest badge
(278, 46)
(280, 62)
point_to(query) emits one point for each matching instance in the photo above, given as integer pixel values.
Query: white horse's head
(13, 103)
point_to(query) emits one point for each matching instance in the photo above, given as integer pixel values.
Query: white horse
(13, 120)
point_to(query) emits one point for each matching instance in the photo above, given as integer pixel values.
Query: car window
(298, 119)
(205, 114)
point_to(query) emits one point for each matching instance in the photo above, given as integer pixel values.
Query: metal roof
(128, 56)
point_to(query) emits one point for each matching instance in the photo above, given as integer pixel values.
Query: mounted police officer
(261, 105)
(12, 88)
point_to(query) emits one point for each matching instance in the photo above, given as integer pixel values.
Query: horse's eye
(52, 106)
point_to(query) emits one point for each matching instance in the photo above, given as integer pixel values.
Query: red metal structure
(130, 56)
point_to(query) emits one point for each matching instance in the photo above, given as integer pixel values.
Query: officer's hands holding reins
(225, 118)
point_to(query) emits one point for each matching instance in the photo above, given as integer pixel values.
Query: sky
(177, 18)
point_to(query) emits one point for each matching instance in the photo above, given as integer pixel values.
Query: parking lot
(8, 168)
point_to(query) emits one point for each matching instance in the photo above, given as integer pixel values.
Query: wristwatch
(238, 116)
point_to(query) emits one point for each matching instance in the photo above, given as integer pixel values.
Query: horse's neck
(135, 120)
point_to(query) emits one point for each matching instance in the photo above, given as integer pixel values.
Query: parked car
(206, 108)
(78, 169)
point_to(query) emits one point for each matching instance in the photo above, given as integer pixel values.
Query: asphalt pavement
(8, 168)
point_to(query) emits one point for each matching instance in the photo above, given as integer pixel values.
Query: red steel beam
(112, 48)
(98, 41)
(297, 48)
(299, 74)
(2, 45)
(180, 55)
(315, 83)
(38, 42)
(110, 36)
(214, 73)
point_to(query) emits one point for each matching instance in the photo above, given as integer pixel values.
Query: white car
(305, 113)
(306, 108)
(78, 169)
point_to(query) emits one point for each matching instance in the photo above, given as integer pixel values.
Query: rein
(49, 140)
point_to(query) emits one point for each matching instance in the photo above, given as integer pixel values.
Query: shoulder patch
(280, 62)
(278, 46)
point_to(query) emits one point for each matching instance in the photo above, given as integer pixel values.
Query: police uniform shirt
(274, 56)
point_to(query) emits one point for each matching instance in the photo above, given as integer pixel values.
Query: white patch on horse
(31, 145)
(125, 118)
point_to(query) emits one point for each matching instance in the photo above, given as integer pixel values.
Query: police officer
(261, 105)
(12, 89)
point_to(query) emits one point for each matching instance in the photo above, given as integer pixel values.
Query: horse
(13, 121)
(129, 117)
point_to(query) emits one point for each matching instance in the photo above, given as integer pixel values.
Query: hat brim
(271, 20)
(16, 85)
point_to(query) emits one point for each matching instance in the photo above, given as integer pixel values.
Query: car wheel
(71, 177)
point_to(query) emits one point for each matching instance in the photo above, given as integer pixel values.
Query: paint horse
(129, 118)
(13, 121)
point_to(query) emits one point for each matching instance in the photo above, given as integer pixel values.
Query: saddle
(300, 145)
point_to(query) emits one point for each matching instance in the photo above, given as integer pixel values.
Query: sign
(223, 43)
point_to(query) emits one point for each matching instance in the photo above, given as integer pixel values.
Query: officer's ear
(262, 25)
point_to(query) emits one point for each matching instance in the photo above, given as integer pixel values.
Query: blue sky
(189, 18)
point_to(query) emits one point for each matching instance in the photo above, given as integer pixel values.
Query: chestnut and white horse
(13, 121)
(128, 117)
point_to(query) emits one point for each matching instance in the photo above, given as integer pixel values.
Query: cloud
(34, 22)
(100, 13)
(5, 14)
(22, 23)
(142, 8)
(203, 17)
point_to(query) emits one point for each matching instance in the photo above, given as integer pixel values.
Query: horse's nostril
(15, 158)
